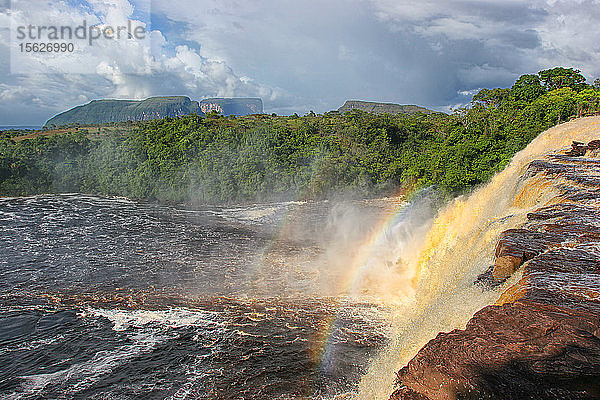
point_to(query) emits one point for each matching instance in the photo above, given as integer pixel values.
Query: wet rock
(522, 350)
(407, 394)
(486, 280)
(593, 145)
(505, 266)
(578, 149)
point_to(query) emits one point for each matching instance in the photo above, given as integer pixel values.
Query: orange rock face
(505, 266)
(542, 339)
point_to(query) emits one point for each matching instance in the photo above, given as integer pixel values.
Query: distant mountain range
(383, 108)
(104, 111)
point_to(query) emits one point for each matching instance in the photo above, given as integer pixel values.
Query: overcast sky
(299, 55)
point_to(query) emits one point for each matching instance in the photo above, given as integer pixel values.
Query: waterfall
(458, 247)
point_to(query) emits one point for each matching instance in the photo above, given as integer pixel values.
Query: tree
(213, 114)
(559, 77)
(527, 88)
(588, 100)
(558, 105)
(491, 97)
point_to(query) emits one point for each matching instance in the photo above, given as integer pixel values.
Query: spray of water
(458, 247)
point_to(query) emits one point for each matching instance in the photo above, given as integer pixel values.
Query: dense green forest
(217, 159)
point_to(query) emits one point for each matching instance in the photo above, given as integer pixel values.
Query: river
(107, 298)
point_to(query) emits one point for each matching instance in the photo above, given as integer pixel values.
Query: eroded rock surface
(542, 339)
(522, 350)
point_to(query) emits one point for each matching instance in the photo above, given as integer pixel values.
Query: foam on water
(171, 318)
(81, 376)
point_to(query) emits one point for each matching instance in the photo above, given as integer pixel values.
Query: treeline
(217, 159)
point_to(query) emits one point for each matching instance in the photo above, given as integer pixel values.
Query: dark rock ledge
(542, 339)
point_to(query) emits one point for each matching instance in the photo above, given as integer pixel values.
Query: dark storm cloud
(410, 52)
(528, 39)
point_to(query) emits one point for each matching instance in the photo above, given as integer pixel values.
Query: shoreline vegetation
(262, 158)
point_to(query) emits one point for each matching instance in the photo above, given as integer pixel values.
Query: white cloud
(110, 66)
(127, 55)
(311, 54)
(570, 34)
(469, 93)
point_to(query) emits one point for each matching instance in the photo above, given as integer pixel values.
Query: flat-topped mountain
(382, 108)
(104, 111)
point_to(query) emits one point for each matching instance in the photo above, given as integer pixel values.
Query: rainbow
(350, 286)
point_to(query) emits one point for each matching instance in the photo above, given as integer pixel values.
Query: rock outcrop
(232, 106)
(542, 338)
(383, 108)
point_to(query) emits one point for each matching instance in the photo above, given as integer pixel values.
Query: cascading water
(459, 247)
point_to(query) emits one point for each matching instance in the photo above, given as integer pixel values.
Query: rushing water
(112, 299)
